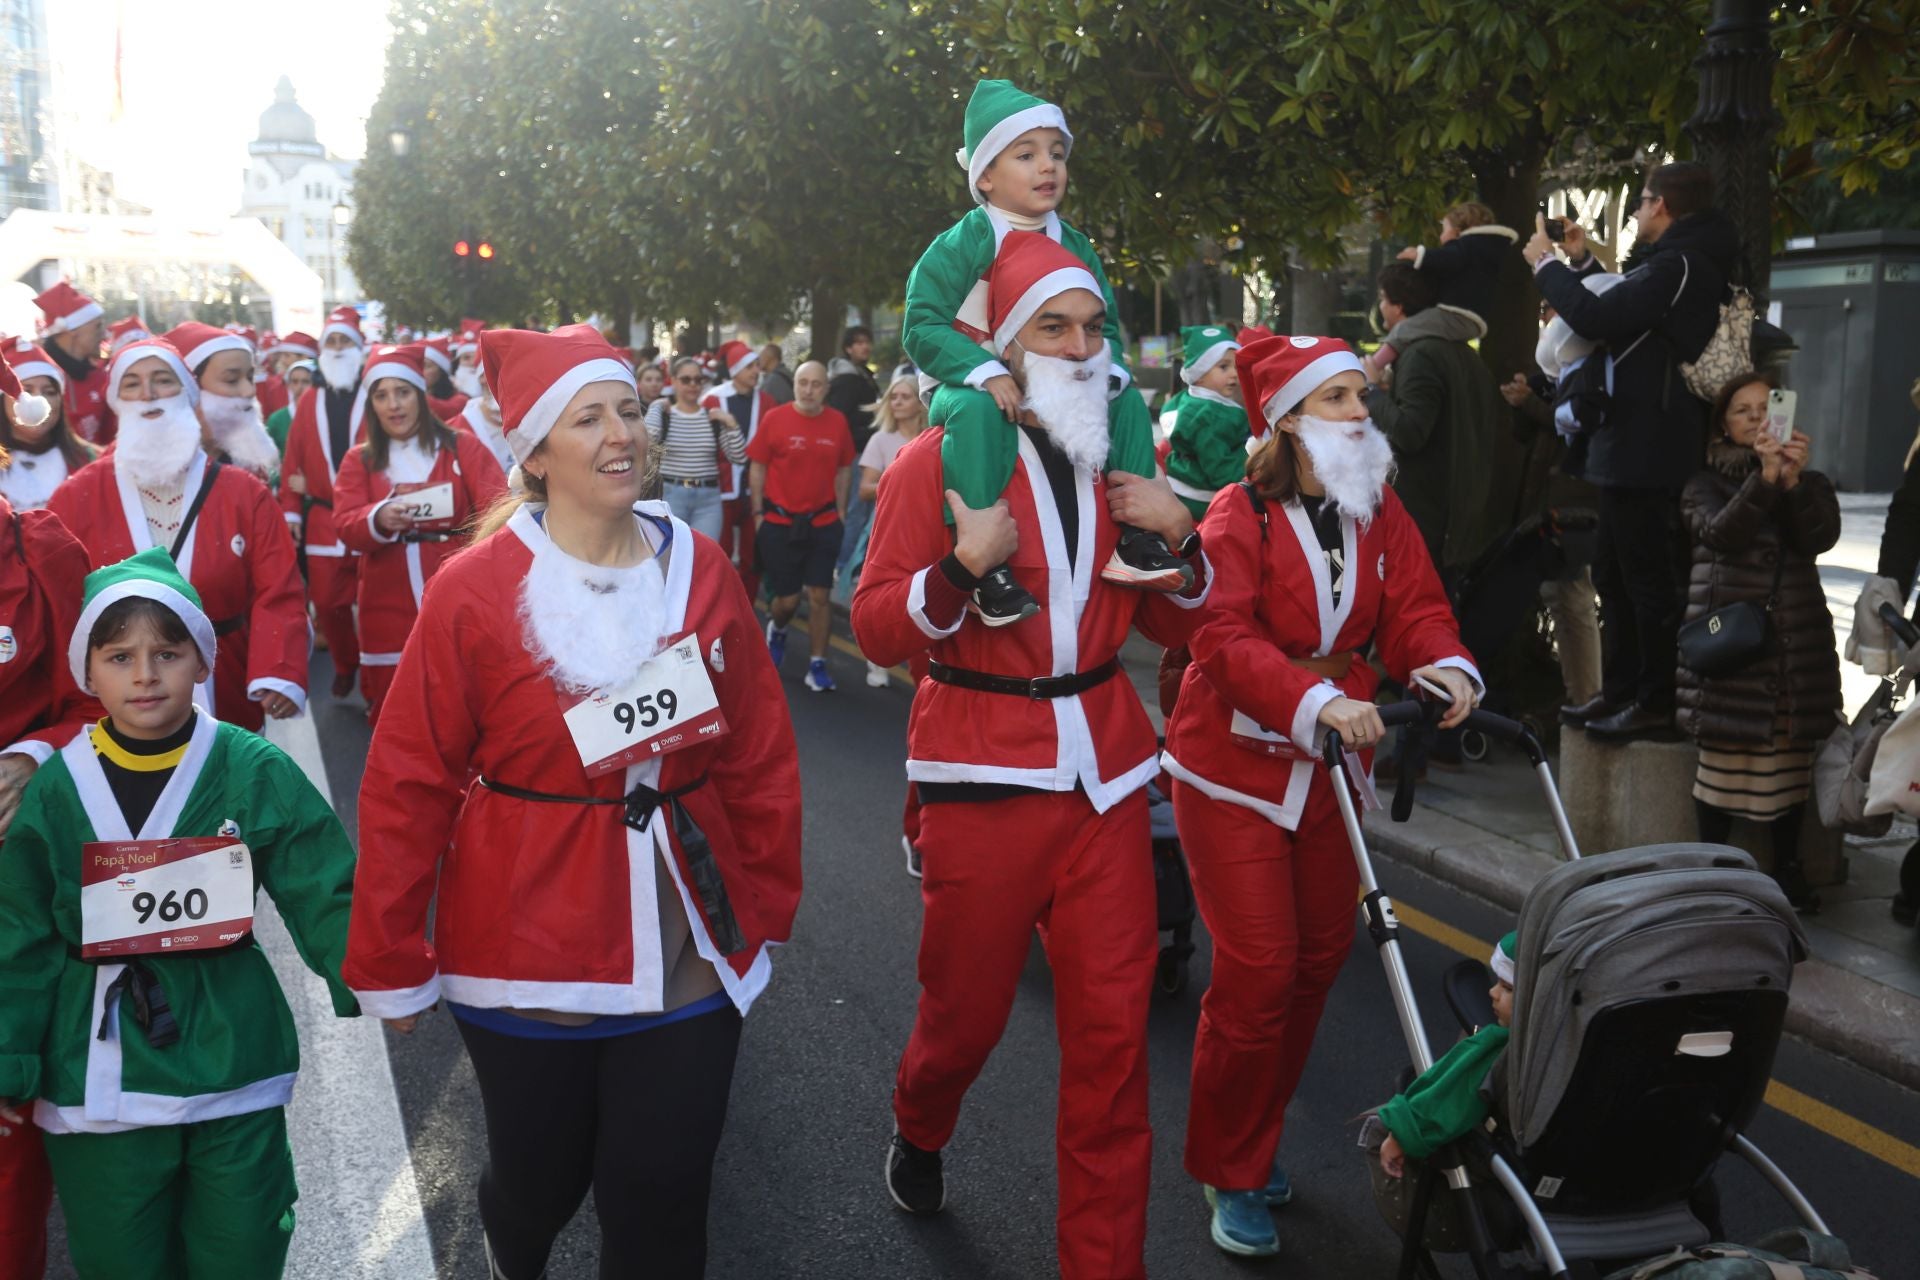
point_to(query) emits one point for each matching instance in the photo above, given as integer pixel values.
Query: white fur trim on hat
(1037, 295)
(739, 365)
(440, 358)
(133, 353)
(213, 347)
(337, 326)
(538, 421)
(1191, 373)
(73, 320)
(195, 618)
(1302, 384)
(40, 369)
(1502, 965)
(1001, 136)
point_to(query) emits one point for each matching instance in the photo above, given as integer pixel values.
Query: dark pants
(1640, 573)
(636, 1117)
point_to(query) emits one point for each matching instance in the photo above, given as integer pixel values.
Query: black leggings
(1716, 826)
(636, 1117)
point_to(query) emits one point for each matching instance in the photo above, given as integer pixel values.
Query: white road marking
(359, 1212)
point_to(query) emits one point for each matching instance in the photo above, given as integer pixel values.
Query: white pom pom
(31, 411)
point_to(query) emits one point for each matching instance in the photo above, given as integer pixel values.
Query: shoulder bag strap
(193, 512)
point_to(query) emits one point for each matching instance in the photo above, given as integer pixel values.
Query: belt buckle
(1041, 687)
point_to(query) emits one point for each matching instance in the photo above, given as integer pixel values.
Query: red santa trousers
(1280, 906)
(995, 871)
(736, 539)
(26, 1194)
(331, 584)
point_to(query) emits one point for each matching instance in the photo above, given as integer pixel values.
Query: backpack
(1794, 1254)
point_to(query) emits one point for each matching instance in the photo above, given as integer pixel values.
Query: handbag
(1728, 638)
(1728, 353)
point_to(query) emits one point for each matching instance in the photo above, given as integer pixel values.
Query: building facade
(302, 192)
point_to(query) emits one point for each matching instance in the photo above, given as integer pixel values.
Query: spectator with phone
(1461, 271)
(1758, 521)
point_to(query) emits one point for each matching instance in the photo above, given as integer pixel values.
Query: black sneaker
(914, 1179)
(1000, 600)
(1144, 562)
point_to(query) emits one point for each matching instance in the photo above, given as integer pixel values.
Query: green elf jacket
(1445, 1101)
(1207, 447)
(237, 1051)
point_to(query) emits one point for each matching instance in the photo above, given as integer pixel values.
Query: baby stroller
(1172, 891)
(1650, 989)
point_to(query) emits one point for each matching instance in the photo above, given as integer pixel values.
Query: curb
(1874, 1026)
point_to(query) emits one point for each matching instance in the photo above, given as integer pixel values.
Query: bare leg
(819, 618)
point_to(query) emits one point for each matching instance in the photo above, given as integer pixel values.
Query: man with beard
(1030, 758)
(1318, 562)
(317, 444)
(742, 397)
(72, 331)
(158, 488)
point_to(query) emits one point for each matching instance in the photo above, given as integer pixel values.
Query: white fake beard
(1070, 399)
(340, 367)
(156, 451)
(588, 626)
(466, 380)
(236, 428)
(1353, 471)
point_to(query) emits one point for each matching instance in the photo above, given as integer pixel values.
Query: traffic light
(484, 251)
(461, 249)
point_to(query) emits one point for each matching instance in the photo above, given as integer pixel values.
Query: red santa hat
(440, 351)
(534, 375)
(198, 343)
(407, 363)
(247, 331)
(1030, 270)
(121, 332)
(736, 356)
(344, 320)
(152, 348)
(467, 342)
(65, 308)
(24, 360)
(1251, 333)
(296, 343)
(1276, 374)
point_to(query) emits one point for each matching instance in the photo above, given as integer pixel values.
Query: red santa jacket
(1274, 602)
(545, 904)
(41, 570)
(240, 559)
(309, 456)
(449, 409)
(1100, 739)
(393, 573)
(271, 392)
(87, 410)
(726, 398)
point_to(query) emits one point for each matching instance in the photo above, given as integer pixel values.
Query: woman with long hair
(695, 442)
(898, 417)
(585, 776)
(1316, 564)
(404, 501)
(33, 430)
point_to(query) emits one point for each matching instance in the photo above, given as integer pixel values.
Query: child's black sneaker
(1144, 562)
(915, 1180)
(1000, 600)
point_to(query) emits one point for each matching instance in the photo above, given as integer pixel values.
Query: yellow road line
(1810, 1111)
(852, 650)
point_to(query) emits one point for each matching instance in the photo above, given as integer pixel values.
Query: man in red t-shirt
(802, 470)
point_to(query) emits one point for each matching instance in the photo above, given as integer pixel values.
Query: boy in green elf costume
(1016, 161)
(1207, 443)
(136, 1008)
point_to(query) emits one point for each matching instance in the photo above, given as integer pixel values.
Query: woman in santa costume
(1318, 563)
(42, 567)
(586, 757)
(317, 443)
(34, 430)
(158, 488)
(740, 397)
(405, 500)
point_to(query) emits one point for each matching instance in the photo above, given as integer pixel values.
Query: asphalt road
(798, 1191)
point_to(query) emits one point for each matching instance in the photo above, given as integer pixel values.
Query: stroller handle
(1414, 710)
(1897, 623)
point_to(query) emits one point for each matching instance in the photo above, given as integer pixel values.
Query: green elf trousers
(980, 446)
(211, 1200)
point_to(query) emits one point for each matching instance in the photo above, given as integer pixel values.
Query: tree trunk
(1316, 296)
(827, 314)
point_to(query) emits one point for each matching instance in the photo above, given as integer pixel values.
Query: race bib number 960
(143, 896)
(668, 705)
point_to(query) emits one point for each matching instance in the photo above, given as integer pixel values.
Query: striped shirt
(689, 453)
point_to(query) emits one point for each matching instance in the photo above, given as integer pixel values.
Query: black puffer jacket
(1656, 319)
(1741, 527)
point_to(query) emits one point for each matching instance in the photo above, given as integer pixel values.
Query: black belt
(689, 482)
(427, 537)
(641, 802)
(801, 517)
(148, 1001)
(1019, 687)
(227, 626)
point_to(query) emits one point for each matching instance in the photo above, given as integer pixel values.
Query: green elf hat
(997, 113)
(151, 575)
(1203, 346)
(1501, 961)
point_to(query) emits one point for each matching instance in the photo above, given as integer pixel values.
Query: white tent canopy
(29, 236)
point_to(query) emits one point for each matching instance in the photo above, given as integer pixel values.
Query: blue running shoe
(1241, 1224)
(1279, 1189)
(818, 678)
(776, 643)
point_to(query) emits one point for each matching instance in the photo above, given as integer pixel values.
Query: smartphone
(1780, 406)
(1556, 227)
(1437, 690)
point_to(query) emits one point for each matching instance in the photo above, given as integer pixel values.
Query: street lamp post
(1734, 124)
